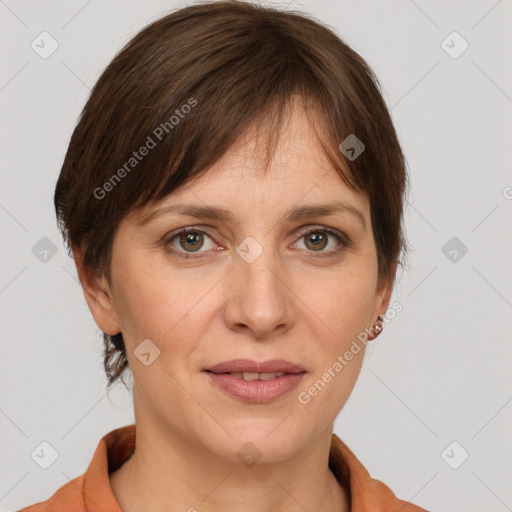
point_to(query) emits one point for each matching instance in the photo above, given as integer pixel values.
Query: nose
(259, 294)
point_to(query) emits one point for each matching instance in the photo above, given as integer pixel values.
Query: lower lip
(256, 391)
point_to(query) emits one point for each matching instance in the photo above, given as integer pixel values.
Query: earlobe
(98, 297)
(381, 303)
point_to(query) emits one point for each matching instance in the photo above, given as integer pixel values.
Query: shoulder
(366, 493)
(68, 497)
(91, 490)
(389, 502)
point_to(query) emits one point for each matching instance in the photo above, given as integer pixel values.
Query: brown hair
(185, 88)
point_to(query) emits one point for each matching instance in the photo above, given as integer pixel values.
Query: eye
(188, 241)
(318, 238)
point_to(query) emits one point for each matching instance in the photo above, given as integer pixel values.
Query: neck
(171, 473)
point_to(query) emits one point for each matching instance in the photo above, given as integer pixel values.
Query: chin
(268, 440)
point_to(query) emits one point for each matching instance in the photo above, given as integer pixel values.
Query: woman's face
(251, 287)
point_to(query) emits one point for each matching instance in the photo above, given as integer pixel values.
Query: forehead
(299, 171)
(298, 166)
(296, 144)
(297, 157)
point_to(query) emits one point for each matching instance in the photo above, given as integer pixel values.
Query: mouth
(252, 370)
(255, 375)
(257, 382)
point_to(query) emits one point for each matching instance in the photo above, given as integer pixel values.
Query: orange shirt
(91, 491)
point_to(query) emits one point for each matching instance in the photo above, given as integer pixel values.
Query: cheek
(142, 300)
(162, 306)
(340, 314)
(341, 302)
(348, 311)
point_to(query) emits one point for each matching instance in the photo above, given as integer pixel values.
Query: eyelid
(332, 231)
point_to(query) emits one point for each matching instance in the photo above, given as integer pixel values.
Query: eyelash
(341, 237)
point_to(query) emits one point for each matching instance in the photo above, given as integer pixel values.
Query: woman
(232, 196)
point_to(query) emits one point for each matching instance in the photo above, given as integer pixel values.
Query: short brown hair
(218, 68)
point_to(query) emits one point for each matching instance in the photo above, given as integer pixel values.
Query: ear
(98, 296)
(385, 289)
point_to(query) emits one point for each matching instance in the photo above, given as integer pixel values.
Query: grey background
(440, 371)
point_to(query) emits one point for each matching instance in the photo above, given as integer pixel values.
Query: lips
(256, 382)
(256, 376)
(250, 370)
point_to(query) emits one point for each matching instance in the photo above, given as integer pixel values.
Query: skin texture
(294, 302)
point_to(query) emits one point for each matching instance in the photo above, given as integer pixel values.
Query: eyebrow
(220, 214)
